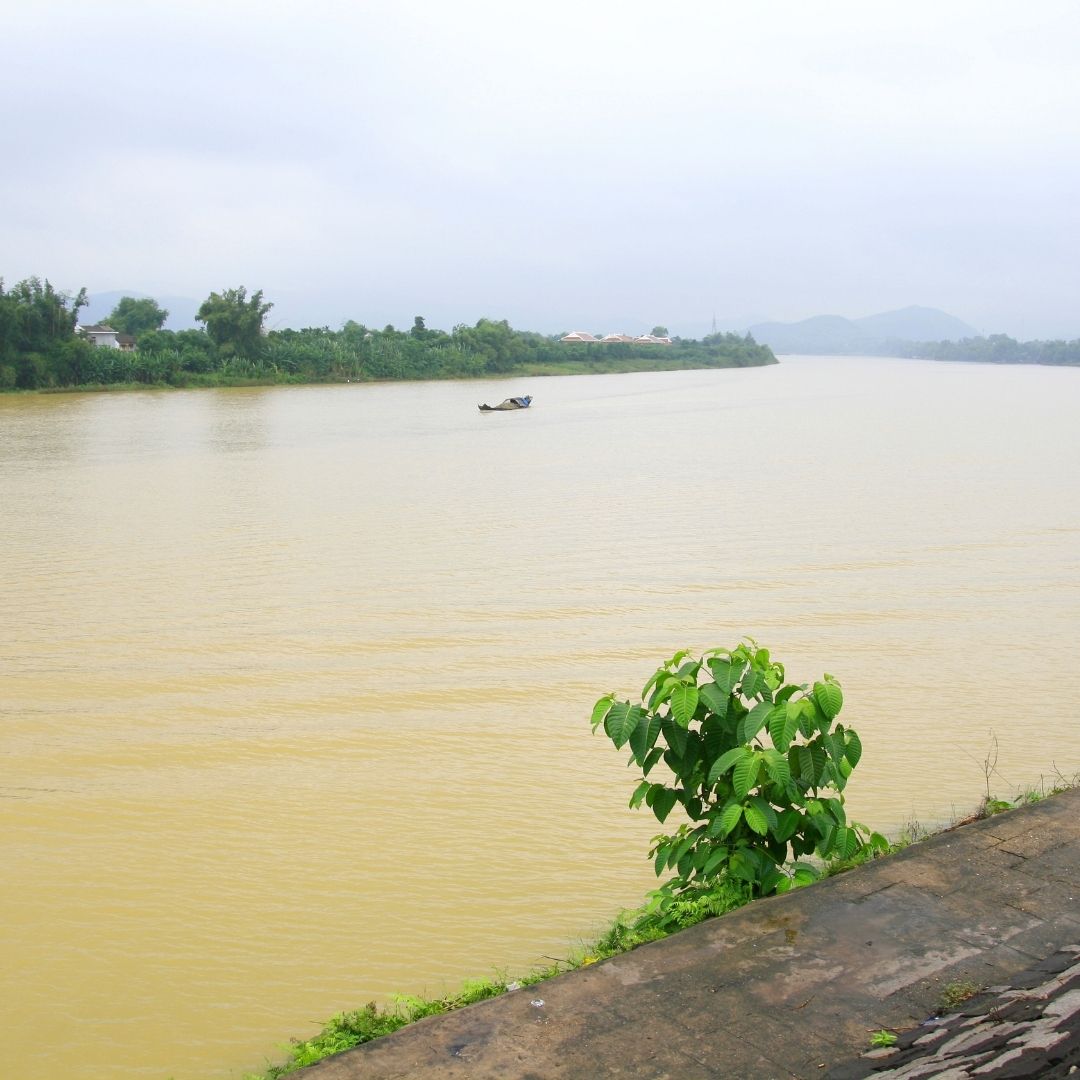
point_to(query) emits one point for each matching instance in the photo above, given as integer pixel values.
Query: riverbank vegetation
(41, 348)
(756, 764)
(995, 349)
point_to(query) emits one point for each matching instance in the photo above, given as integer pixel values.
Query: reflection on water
(294, 683)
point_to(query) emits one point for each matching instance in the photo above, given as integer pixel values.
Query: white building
(104, 337)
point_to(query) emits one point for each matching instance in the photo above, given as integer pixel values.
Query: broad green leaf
(836, 809)
(756, 820)
(743, 866)
(730, 816)
(827, 832)
(651, 685)
(600, 709)
(675, 735)
(797, 759)
(643, 737)
(660, 858)
(673, 762)
(688, 672)
(654, 755)
(621, 721)
(756, 719)
(852, 747)
(753, 721)
(692, 753)
(639, 793)
(804, 874)
(829, 698)
(785, 693)
(783, 724)
(716, 700)
(714, 740)
(834, 776)
(663, 802)
(751, 684)
(764, 808)
(663, 691)
(717, 855)
(776, 765)
(831, 746)
(680, 849)
(845, 842)
(820, 760)
(820, 721)
(746, 775)
(725, 673)
(725, 762)
(714, 828)
(786, 823)
(684, 701)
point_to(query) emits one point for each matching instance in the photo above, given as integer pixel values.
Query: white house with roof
(104, 337)
(579, 335)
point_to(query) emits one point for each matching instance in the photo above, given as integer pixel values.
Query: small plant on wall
(757, 765)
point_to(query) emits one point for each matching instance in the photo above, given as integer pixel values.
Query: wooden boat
(509, 403)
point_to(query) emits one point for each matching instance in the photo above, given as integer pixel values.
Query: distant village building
(616, 339)
(104, 337)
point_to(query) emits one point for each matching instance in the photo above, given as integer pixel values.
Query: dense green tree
(37, 334)
(235, 322)
(659, 331)
(136, 316)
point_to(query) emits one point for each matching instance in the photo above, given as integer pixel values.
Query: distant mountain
(181, 309)
(917, 324)
(872, 334)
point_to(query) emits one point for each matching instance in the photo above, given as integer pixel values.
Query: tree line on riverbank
(41, 347)
(995, 349)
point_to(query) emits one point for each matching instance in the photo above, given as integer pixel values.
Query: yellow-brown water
(295, 682)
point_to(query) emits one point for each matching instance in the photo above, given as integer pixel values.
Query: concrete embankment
(792, 986)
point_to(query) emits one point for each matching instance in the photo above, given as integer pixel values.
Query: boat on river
(507, 404)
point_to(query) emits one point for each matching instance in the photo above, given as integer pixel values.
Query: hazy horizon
(586, 166)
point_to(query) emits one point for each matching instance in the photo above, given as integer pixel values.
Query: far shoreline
(614, 366)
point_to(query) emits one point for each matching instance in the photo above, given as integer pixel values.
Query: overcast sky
(590, 164)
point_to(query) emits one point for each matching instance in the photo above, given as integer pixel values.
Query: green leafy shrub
(757, 764)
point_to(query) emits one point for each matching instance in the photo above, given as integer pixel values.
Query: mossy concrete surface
(792, 986)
